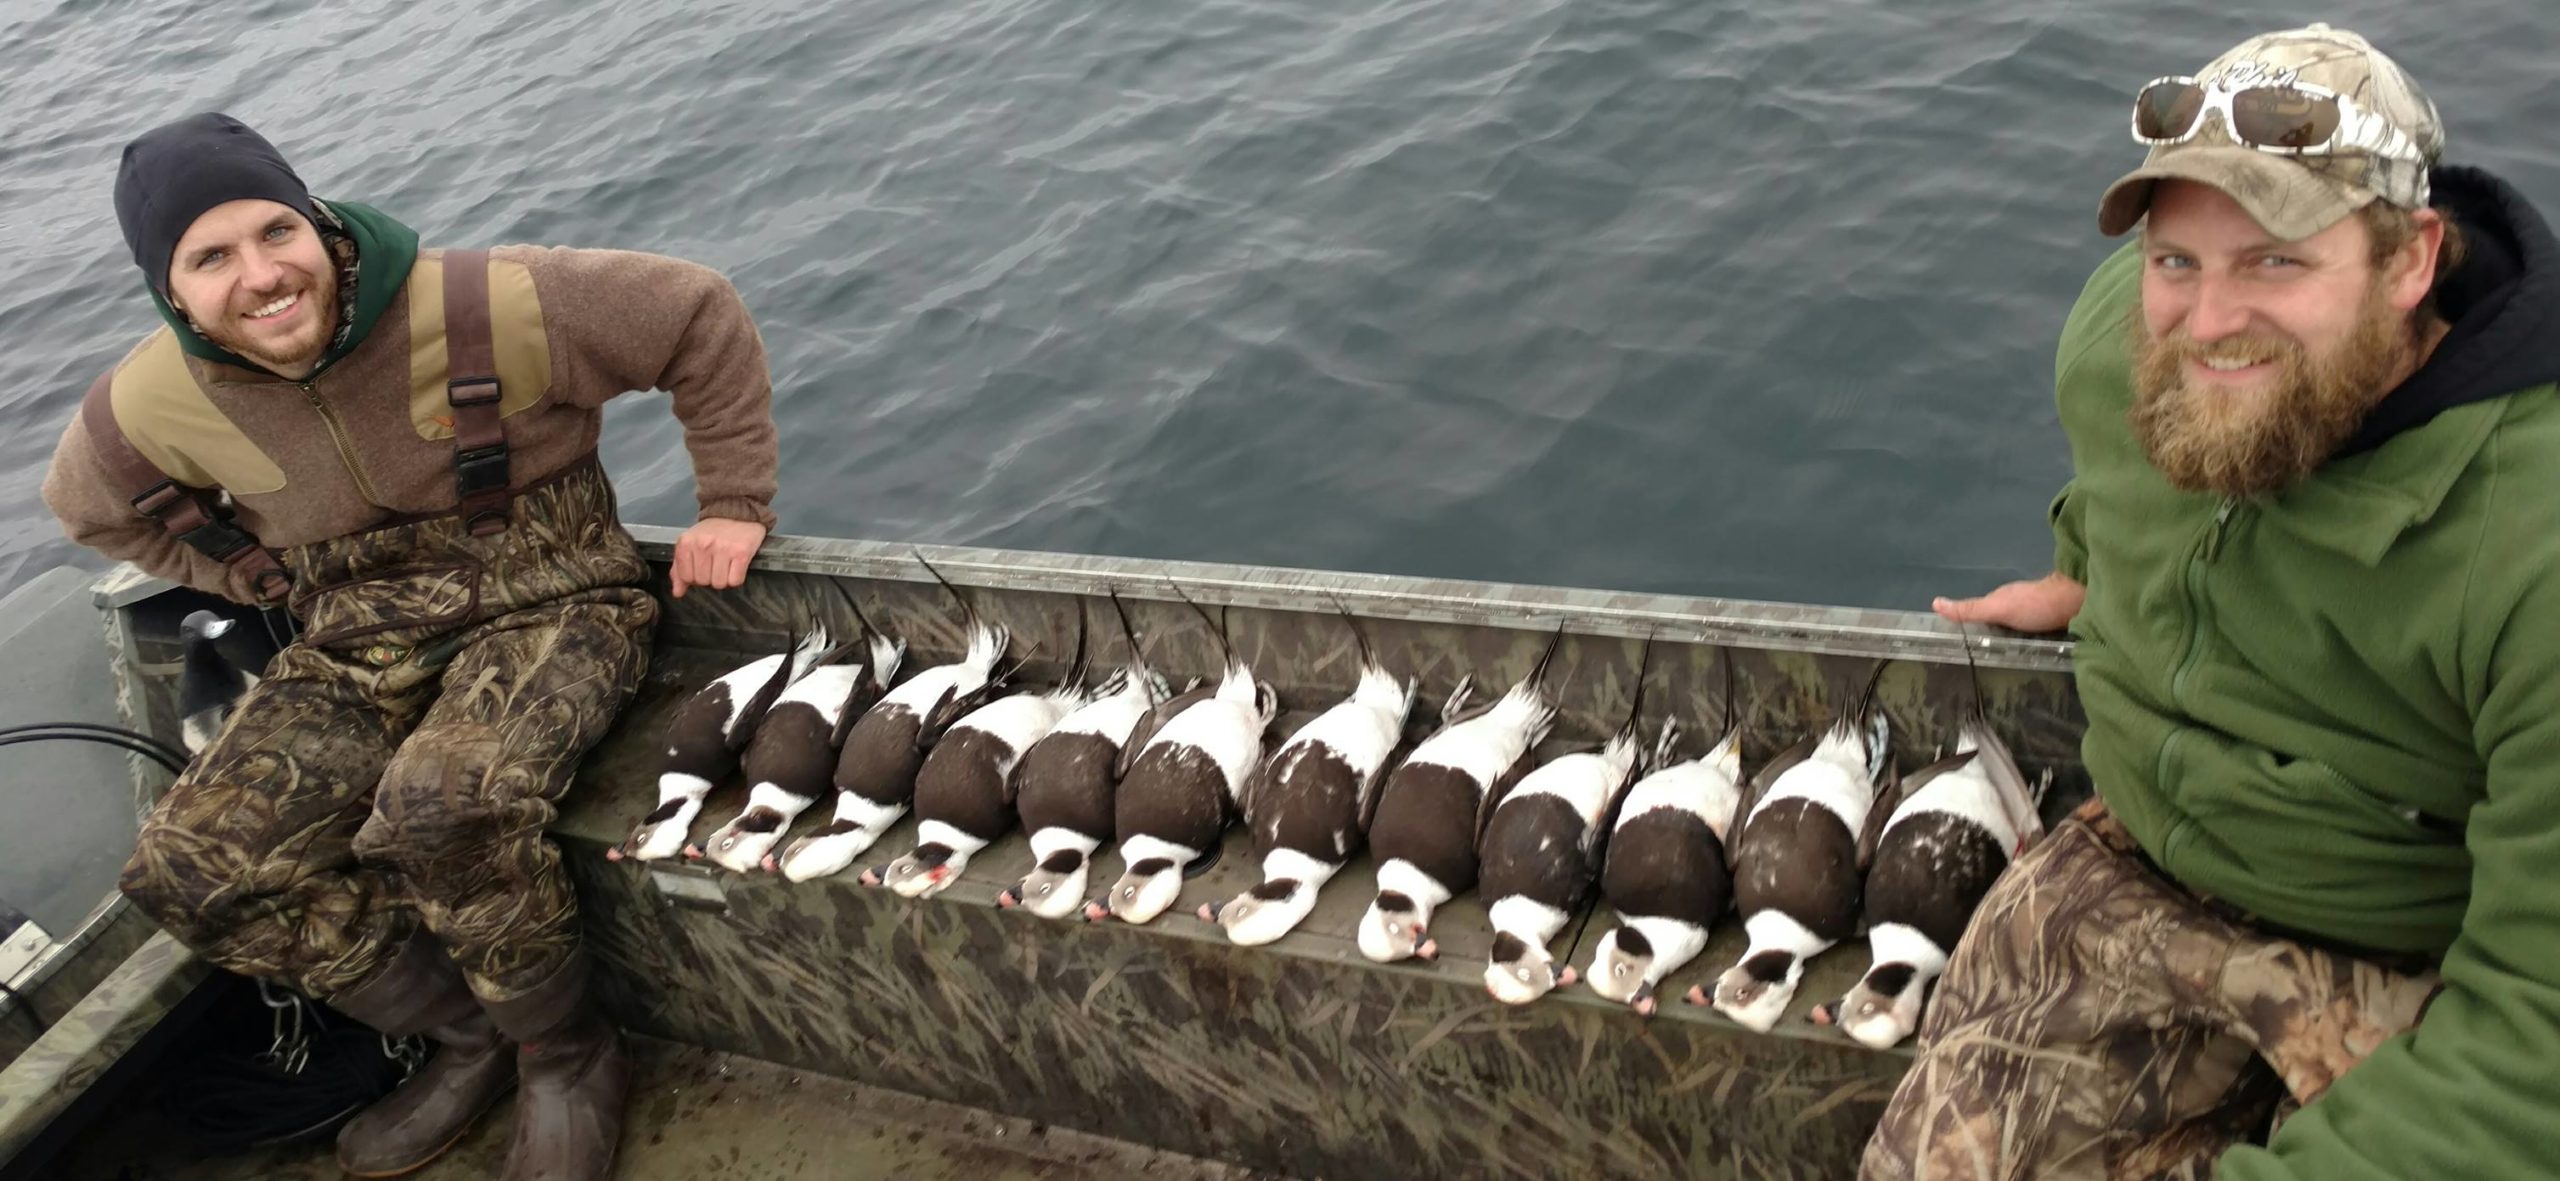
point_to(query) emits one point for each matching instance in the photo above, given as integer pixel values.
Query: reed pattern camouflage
(461, 676)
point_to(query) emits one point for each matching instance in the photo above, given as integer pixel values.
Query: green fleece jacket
(2338, 708)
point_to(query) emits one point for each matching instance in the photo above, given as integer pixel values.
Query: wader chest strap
(480, 475)
(190, 514)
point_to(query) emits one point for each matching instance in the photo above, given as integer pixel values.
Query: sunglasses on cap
(2288, 119)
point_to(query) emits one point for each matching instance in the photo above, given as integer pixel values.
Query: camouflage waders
(2099, 1021)
(463, 675)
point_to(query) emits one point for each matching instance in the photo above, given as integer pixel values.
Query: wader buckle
(219, 539)
(484, 390)
(159, 498)
(480, 473)
(212, 532)
(480, 469)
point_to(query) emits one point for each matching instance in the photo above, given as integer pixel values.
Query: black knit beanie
(177, 171)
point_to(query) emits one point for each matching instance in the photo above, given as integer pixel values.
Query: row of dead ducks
(1831, 839)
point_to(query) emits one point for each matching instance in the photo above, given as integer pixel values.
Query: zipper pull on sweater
(2213, 535)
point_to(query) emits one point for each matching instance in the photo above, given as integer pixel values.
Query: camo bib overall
(2100, 1021)
(462, 674)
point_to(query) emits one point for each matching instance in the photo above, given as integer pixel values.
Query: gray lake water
(1695, 296)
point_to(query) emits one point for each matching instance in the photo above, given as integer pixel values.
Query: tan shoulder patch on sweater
(515, 326)
(168, 418)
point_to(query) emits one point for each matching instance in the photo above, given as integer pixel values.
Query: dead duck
(1310, 804)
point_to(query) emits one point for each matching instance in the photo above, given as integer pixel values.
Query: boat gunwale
(147, 779)
(1870, 632)
(1756, 623)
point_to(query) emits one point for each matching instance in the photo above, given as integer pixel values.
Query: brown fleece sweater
(367, 439)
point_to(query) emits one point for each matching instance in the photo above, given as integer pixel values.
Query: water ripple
(1654, 294)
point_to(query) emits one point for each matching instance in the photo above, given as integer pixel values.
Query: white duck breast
(1181, 790)
(790, 760)
(875, 776)
(965, 791)
(703, 738)
(1309, 805)
(1667, 874)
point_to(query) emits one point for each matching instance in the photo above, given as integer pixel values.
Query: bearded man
(399, 445)
(2311, 556)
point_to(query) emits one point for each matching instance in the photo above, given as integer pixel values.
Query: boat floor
(698, 1113)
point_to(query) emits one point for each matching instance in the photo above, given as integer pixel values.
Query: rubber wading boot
(421, 992)
(574, 1077)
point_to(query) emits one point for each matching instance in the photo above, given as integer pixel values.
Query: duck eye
(1044, 888)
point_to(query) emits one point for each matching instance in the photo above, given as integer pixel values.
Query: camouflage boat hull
(1307, 1065)
(1299, 1057)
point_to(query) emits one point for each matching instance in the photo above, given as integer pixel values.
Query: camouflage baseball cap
(2296, 196)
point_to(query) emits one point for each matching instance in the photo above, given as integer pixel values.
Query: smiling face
(255, 278)
(2258, 358)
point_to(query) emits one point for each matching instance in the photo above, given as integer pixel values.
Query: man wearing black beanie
(176, 176)
(399, 444)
